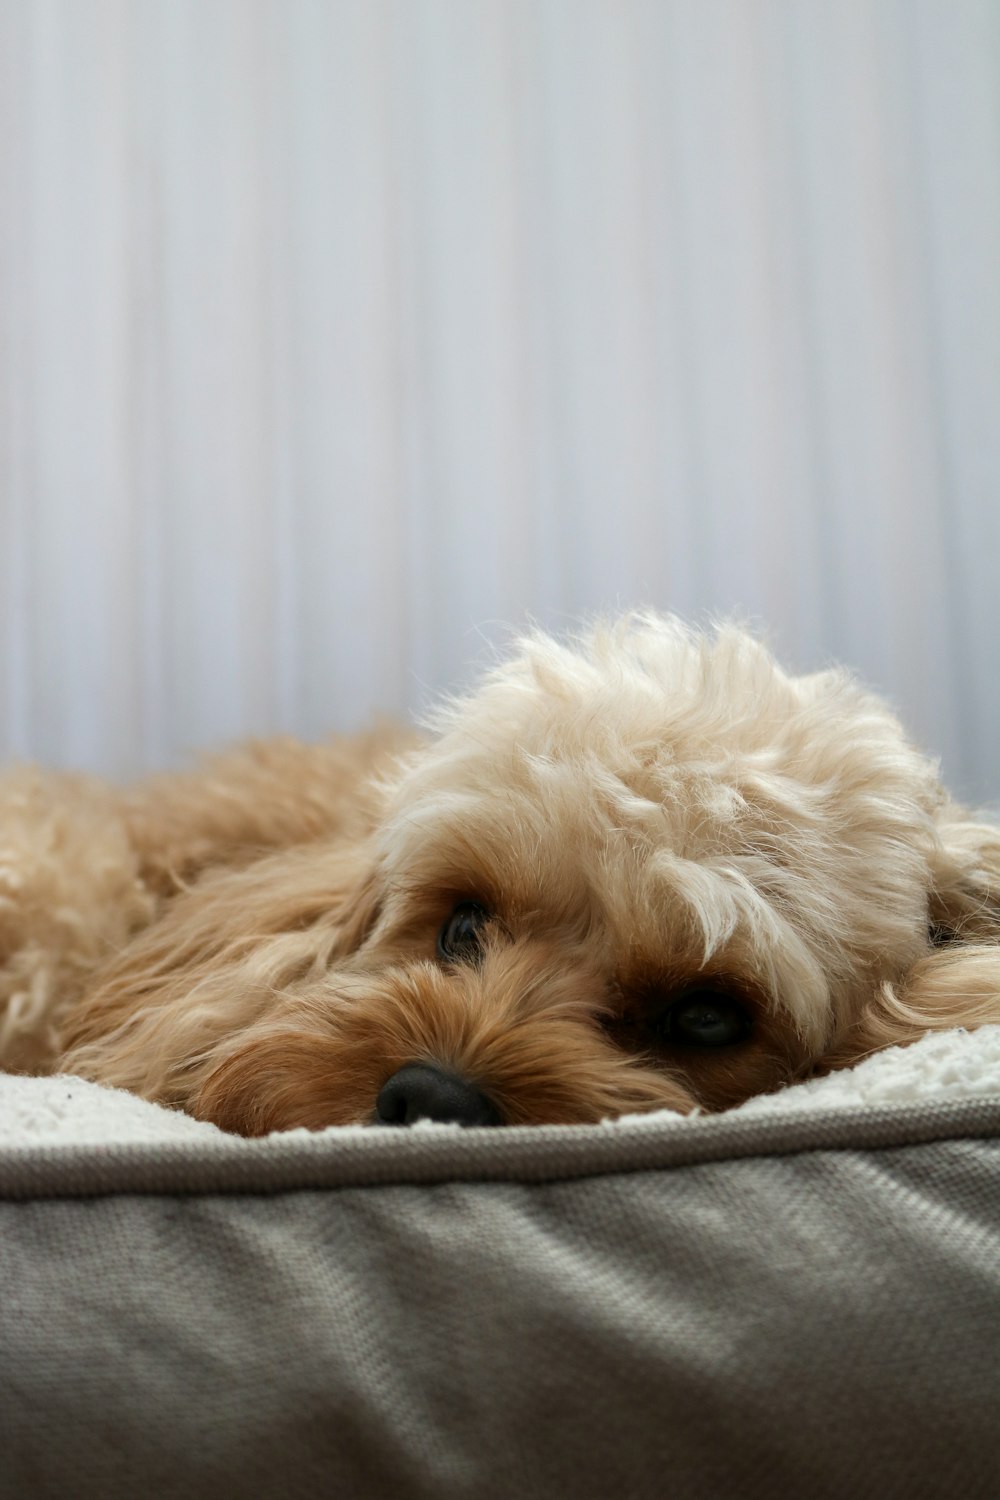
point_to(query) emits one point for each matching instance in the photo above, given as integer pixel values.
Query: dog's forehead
(612, 821)
(609, 754)
(545, 824)
(659, 709)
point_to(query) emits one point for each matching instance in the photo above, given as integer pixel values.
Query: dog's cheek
(714, 1081)
(719, 1083)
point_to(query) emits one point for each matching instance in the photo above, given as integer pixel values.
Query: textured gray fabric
(766, 1307)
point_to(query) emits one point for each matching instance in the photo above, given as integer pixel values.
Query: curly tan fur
(640, 811)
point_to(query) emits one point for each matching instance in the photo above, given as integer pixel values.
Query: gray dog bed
(770, 1303)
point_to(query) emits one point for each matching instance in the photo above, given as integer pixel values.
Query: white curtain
(336, 335)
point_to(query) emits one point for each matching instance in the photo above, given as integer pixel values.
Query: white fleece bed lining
(943, 1067)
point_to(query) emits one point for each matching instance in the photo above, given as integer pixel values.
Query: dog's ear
(948, 988)
(956, 983)
(964, 904)
(223, 953)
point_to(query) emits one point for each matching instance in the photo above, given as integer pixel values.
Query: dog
(640, 869)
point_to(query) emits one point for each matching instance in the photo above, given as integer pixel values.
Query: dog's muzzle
(420, 1091)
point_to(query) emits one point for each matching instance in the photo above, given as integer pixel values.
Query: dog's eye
(460, 939)
(704, 1017)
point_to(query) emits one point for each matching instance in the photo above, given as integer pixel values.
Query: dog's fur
(646, 813)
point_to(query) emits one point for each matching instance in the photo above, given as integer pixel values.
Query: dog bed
(801, 1297)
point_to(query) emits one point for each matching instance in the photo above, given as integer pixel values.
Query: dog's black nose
(422, 1092)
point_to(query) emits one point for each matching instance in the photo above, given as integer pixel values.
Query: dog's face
(647, 871)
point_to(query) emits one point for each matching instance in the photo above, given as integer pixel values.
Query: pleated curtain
(340, 338)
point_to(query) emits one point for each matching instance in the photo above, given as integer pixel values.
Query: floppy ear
(957, 983)
(965, 874)
(951, 987)
(223, 954)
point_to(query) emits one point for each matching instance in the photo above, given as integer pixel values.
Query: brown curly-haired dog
(645, 869)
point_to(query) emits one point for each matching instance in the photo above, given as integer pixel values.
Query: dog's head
(644, 870)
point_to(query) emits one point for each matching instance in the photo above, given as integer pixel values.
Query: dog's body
(647, 870)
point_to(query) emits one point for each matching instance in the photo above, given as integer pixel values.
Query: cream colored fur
(642, 811)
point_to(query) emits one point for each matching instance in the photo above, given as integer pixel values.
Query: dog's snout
(420, 1091)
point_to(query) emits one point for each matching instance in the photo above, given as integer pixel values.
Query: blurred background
(339, 336)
